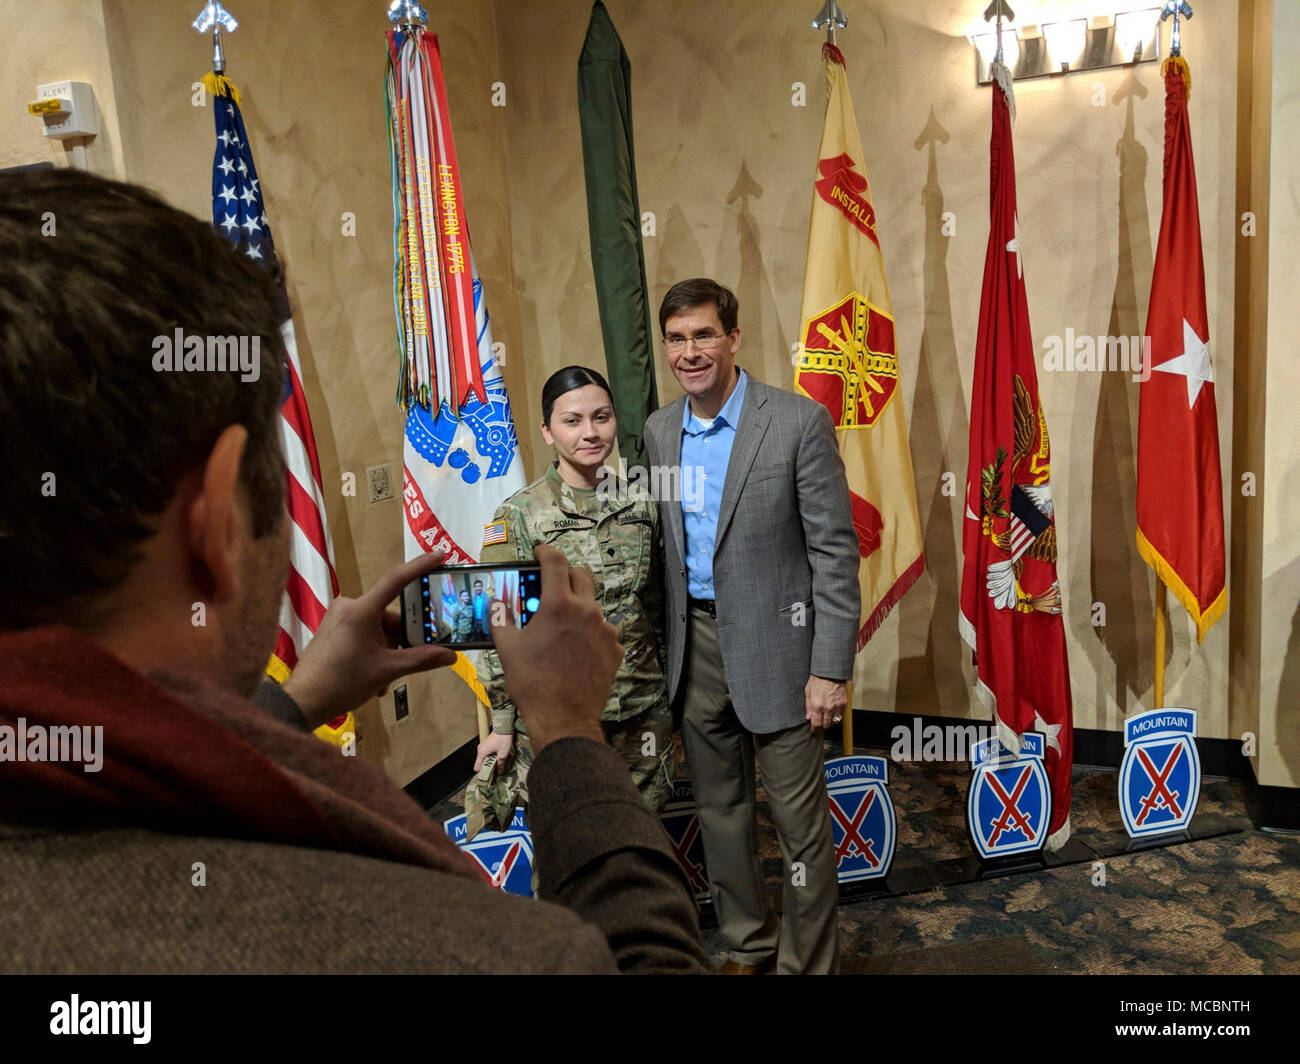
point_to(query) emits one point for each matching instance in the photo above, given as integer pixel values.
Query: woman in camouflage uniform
(601, 524)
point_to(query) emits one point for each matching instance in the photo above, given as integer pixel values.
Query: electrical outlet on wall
(377, 479)
(401, 708)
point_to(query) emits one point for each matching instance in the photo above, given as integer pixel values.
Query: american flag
(238, 211)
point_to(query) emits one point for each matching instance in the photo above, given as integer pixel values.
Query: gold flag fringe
(1179, 64)
(464, 668)
(1205, 619)
(220, 85)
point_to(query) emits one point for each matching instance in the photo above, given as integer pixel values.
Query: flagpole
(1162, 628)
(216, 18)
(1174, 9)
(999, 9)
(832, 18)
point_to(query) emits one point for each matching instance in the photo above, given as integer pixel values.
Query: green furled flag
(614, 215)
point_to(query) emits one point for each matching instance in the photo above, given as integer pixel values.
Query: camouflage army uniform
(615, 535)
(462, 617)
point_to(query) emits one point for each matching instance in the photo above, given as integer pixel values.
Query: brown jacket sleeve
(601, 853)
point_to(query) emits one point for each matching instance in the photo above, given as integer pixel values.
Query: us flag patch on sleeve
(494, 533)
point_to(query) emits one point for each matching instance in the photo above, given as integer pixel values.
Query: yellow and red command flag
(1010, 595)
(1179, 485)
(848, 358)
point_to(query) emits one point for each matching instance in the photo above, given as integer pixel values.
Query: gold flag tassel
(220, 85)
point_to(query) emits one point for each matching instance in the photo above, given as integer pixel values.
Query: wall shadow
(1118, 578)
(764, 349)
(933, 682)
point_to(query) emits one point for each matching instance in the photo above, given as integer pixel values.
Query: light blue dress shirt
(705, 454)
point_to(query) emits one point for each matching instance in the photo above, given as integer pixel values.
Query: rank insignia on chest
(494, 533)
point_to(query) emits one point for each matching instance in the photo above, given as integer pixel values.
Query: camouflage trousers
(645, 742)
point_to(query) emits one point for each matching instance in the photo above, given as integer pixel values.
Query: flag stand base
(973, 869)
(1118, 843)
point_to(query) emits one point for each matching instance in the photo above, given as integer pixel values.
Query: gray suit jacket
(786, 551)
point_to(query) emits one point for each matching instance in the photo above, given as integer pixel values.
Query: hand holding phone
(558, 670)
(455, 605)
(356, 652)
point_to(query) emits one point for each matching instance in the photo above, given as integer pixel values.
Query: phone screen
(455, 606)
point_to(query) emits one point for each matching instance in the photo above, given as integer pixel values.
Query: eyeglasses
(703, 341)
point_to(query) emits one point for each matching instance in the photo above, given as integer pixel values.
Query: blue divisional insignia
(1009, 805)
(863, 823)
(1160, 776)
(682, 824)
(494, 434)
(505, 858)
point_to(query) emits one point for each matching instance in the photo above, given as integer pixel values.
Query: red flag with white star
(1179, 484)
(1010, 596)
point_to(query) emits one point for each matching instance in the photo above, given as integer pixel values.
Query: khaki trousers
(721, 755)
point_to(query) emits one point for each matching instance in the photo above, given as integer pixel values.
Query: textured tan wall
(1254, 76)
(1264, 682)
(1279, 761)
(724, 161)
(310, 77)
(66, 43)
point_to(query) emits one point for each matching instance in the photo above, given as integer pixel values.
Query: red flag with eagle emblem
(1010, 596)
(848, 358)
(1179, 483)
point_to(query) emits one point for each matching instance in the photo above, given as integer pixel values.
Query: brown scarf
(184, 756)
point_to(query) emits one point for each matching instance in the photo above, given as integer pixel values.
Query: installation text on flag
(848, 358)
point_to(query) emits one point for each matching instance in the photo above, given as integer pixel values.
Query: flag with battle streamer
(459, 450)
(848, 359)
(1010, 596)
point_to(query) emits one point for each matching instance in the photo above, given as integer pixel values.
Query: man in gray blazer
(762, 619)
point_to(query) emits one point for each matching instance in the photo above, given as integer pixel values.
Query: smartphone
(453, 606)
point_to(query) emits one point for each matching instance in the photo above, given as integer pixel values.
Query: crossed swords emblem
(1160, 797)
(853, 839)
(498, 880)
(1011, 818)
(681, 852)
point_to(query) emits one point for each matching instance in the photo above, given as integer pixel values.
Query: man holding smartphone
(156, 629)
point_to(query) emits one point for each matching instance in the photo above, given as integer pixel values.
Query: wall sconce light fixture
(1071, 45)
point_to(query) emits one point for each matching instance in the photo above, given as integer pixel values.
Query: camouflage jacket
(462, 618)
(612, 531)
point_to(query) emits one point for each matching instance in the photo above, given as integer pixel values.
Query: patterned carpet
(1223, 905)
